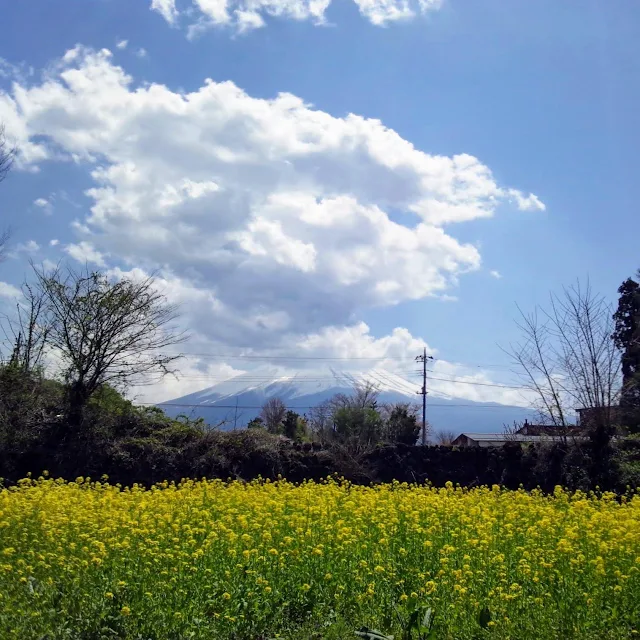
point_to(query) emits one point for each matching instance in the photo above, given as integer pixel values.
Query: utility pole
(423, 392)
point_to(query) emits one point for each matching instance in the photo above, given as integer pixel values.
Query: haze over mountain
(232, 403)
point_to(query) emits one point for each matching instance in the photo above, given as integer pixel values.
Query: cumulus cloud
(194, 374)
(495, 274)
(245, 15)
(383, 12)
(85, 252)
(9, 291)
(530, 202)
(167, 9)
(454, 380)
(268, 219)
(30, 247)
(45, 205)
(269, 203)
(355, 342)
(122, 44)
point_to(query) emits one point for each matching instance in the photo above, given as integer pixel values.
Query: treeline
(356, 421)
(134, 445)
(97, 336)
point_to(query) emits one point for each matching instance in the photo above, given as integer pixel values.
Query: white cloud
(49, 265)
(246, 15)
(357, 343)
(382, 12)
(29, 247)
(141, 52)
(268, 219)
(45, 205)
(85, 252)
(122, 44)
(192, 375)
(496, 274)
(272, 201)
(526, 203)
(248, 20)
(167, 9)
(267, 238)
(9, 291)
(53, 242)
(453, 380)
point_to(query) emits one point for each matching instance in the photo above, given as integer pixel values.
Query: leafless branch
(566, 357)
(273, 413)
(5, 234)
(445, 437)
(27, 330)
(7, 154)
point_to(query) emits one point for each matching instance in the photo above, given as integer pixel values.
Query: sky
(327, 179)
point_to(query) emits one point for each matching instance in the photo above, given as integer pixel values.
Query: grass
(215, 560)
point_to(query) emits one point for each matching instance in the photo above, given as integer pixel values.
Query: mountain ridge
(233, 403)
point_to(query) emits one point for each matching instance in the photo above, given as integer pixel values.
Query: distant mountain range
(236, 401)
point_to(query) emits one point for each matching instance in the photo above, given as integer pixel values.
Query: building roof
(529, 429)
(502, 437)
(484, 436)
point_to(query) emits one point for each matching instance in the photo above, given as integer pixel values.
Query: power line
(233, 406)
(231, 356)
(480, 384)
(337, 379)
(256, 357)
(342, 376)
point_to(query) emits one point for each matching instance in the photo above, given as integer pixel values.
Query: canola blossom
(232, 560)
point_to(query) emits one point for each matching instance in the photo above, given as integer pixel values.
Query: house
(480, 440)
(531, 433)
(529, 429)
(500, 439)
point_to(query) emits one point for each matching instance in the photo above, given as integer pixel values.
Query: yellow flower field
(216, 560)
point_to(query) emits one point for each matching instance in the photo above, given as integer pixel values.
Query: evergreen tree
(256, 423)
(627, 339)
(402, 425)
(294, 426)
(290, 424)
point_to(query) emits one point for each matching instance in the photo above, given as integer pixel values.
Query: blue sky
(543, 94)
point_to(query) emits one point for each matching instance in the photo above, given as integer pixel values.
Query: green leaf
(427, 621)
(484, 618)
(413, 618)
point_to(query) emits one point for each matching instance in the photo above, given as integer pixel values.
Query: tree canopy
(626, 337)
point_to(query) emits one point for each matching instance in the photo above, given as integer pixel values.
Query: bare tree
(26, 332)
(273, 413)
(445, 437)
(364, 396)
(105, 331)
(566, 357)
(320, 420)
(7, 154)
(5, 234)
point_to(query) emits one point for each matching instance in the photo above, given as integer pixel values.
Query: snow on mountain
(273, 381)
(232, 403)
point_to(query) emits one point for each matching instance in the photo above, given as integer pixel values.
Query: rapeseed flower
(564, 565)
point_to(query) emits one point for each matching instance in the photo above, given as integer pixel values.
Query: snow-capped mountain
(236, 401)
